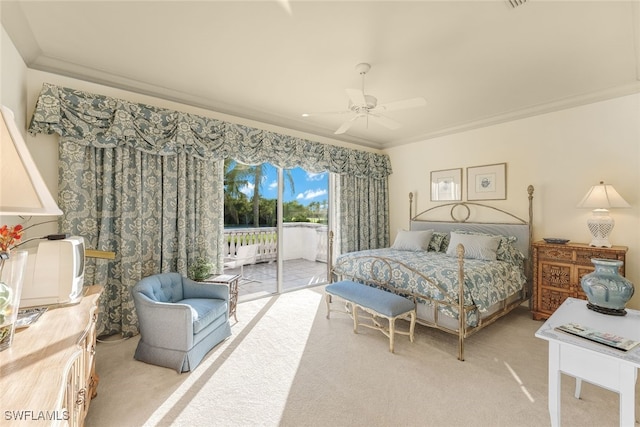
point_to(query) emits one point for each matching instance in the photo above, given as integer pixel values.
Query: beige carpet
(287, 365)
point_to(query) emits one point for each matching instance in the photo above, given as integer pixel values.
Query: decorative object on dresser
(556, 240)
(607, 291)
(601, 198)
(11, 276)
(49, 371)
(557, 270)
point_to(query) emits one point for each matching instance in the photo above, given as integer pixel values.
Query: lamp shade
(22, 189)
(603, 196)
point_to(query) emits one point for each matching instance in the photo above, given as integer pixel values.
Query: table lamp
(22, 192)
(22, 189)
(601, 198)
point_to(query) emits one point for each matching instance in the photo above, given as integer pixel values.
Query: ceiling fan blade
(346, 125)
(356, 96)
(326, 113)
(403, 104)
(385, 121)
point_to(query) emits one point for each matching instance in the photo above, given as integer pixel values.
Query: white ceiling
(476, 62)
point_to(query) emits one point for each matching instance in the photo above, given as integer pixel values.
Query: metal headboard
(461, 212)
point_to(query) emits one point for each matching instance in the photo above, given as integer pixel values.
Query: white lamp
(22, 190)
(602, 197)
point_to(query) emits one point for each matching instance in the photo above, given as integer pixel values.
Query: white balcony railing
(302, 240)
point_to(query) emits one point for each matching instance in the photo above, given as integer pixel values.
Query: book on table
(600, 337)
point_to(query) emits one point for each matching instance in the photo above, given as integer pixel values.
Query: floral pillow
(435, 245)
(445, 242)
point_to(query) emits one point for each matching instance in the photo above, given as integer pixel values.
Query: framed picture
(446, 185)
(487, 182)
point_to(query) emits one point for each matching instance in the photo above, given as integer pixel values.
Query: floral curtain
(363, 213)
(146, 183)
(155, 212)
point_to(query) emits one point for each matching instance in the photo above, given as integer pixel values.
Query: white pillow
(475, 246)
(412, 240)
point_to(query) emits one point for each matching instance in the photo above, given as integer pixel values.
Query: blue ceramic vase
(607, 291)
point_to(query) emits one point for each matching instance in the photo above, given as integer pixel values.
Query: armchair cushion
(205, 311)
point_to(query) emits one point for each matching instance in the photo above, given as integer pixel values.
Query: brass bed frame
(384, 267)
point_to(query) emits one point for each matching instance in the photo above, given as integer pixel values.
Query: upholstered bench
(376, 302)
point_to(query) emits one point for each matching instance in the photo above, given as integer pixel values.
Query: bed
(452, 260)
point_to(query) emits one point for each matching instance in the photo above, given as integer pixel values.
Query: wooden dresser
(47, 376)
(557, 270)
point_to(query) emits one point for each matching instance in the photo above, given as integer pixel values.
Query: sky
(309, 187)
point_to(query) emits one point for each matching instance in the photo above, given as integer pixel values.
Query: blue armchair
(179, 320)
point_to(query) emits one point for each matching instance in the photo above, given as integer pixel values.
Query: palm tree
(238, 175)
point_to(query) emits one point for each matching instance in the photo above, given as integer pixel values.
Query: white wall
(561, 154)
(13, 89)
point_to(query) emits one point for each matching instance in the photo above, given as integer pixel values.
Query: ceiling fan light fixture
(366, 106)
(363, 68)
(370, 103)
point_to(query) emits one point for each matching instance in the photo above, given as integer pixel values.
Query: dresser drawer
(584, 256)
(557, 253)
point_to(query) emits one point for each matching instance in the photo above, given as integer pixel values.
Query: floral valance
(101, 121)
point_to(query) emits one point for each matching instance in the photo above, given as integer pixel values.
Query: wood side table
(557, 270)
(598, 364)
(230, 280)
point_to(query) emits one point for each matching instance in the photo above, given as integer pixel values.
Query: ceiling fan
(367, 107)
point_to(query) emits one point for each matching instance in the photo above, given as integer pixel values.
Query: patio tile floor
(261, 279)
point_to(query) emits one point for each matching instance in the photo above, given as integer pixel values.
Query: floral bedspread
(434, 275)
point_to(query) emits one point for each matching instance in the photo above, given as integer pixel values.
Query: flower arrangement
(9, 236)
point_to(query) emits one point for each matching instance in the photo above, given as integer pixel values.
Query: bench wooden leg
(327, 298)
(392, 333)
(412, 325)
(354, 308)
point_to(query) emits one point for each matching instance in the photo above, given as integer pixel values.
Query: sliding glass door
(304, 228)
(283, 215)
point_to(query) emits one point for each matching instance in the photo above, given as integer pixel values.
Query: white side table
(586, 360)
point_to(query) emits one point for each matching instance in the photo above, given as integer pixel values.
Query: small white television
(55, 273)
